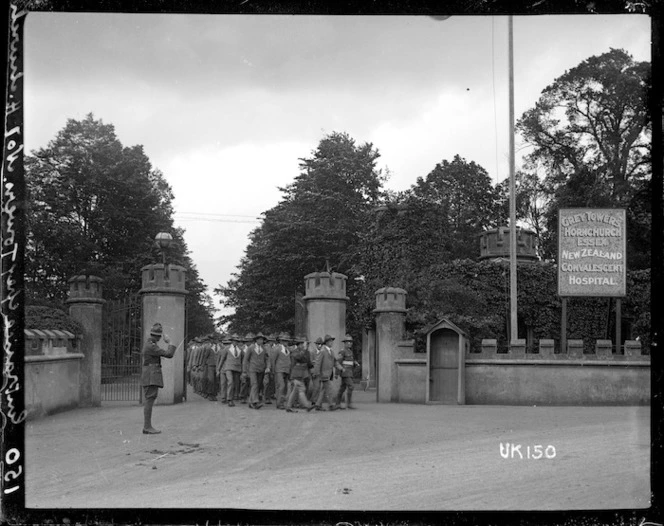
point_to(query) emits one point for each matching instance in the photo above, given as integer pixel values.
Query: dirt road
(379, 457)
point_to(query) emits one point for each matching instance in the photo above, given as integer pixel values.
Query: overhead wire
(216, 218)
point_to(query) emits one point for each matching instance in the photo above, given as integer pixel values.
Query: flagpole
(514, 334)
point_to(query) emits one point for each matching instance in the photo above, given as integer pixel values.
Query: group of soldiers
(258, 369)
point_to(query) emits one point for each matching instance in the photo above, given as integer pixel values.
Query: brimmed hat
(234, 337)
(347, 338)
(284, 337)
(328, 338)
(248, 337)
(300, 339)
(270, 338)
(259, 335)
(157, 329)
(319, 341)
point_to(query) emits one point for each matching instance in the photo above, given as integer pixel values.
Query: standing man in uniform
(230, 365)
(301, 363)
(281, 365)
(151, 376)
(244, 379)
(323, 369)
(315, 379)
(255, 364)
(345, 365)
(269, 380)
(218, 366)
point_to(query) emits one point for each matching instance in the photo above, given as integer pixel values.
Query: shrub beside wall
(475, 296)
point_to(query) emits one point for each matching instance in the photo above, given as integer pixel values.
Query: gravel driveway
(379, 457)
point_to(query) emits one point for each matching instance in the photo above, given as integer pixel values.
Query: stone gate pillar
(390, 326)
(325, 299)
(85, 306)
(164, 302)
(369, 356)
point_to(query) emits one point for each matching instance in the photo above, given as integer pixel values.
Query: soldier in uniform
(281, 366)
(151, 376)
(254, 365)
(206, 349)
(223, 345)
(301, 363)
(230, 365)
(211, 369)
(323, 370)
(201, 368)
(188, 361)
(315, 379)
(269, 380)
(344, 366)
(244, 380)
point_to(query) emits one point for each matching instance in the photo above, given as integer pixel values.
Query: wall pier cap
(85, 289)
(390, 299)
(163, 279)
(325, 285)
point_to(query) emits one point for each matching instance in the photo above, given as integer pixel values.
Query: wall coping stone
(570, 363)
(53, 358)
(410, 361)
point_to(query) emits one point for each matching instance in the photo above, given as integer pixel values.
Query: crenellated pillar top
(325, 285)
(85, 289)
(163, 279)
(390, 299)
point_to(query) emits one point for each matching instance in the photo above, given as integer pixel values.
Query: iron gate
(121, 350)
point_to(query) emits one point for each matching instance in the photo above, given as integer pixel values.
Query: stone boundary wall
(603, 350)
(544, 378)
(52, 383)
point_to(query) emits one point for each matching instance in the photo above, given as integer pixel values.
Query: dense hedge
(49, 318)
(475, 296)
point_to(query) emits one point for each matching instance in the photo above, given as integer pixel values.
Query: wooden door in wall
(444, 362)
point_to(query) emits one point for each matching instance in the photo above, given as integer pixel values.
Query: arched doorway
(446, 346)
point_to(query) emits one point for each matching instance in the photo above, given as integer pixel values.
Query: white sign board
(592, 252)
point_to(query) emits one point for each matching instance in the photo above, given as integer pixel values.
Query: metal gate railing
(121, 350)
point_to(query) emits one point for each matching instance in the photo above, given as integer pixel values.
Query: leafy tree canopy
(591, 135)
(319, 218)
(94, 206)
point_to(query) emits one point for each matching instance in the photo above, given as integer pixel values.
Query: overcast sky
(224, 105)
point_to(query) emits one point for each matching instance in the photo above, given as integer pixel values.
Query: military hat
(235, 338)
(300, 339)
(270, 338)
(259, 335)
(248, 337)
(347, 338)
(157, 329)
(328, 338)
(319, 341)
(284, 337)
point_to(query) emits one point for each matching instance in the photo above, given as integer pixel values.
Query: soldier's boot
(335, 404)
(147, 418)
(349, 400)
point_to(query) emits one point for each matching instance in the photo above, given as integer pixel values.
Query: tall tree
(95, 206)
(530, 201)
(590, 130)
(465, 199)
(434, 222)
(319, 218)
